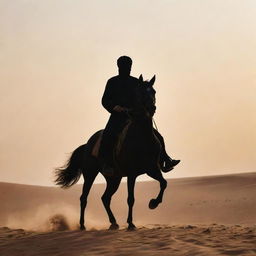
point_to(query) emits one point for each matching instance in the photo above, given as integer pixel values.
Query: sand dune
(226, 199)
(213, 215)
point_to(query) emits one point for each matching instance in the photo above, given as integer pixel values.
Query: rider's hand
(118, 108)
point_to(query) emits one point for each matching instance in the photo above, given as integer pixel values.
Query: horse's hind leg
(153, 203)
(89, 177)
(112, 186)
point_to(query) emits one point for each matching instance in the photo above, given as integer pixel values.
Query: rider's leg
(163, 154)
(166, 162)
(111, 131)
(107, 141)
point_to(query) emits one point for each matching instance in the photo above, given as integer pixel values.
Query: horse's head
(146, 95)
(144, 107)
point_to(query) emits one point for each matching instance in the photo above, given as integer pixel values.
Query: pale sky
(56, 56)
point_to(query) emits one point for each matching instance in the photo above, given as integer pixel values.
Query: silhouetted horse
(137, 152)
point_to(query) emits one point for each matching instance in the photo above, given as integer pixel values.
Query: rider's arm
(107, 99)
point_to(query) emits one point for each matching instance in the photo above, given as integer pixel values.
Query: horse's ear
(141, 78)
(152, 81)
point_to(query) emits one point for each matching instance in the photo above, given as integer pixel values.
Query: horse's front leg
(130, 200)
(157, 175)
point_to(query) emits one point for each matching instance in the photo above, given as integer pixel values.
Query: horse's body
(137, 152)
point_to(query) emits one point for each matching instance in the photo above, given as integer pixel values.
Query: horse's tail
(69, 174)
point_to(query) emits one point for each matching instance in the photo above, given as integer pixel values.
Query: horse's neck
(144, 127)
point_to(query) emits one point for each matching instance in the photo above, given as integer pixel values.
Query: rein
(154, 122)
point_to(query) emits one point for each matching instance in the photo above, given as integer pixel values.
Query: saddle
(118, 145)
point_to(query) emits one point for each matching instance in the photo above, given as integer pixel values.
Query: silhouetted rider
(119, 95)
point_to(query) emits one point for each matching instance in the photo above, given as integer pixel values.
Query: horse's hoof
(153, 203)
(82, 227)
(131, 227)
(114, 226)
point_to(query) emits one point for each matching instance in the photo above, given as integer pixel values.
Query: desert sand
(213, 215)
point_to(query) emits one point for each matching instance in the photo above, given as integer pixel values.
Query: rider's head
(124, 64)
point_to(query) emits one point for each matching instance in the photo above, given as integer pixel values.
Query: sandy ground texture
(153, 240)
